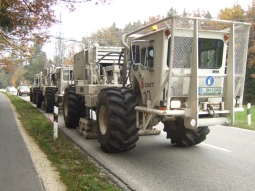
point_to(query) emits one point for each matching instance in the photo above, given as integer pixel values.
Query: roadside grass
(76, 169)
(241, 119)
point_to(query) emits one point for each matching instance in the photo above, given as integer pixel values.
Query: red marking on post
(142, 85)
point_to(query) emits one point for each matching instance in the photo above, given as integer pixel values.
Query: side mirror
(135, 54)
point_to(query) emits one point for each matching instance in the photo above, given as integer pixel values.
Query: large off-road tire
(31, 95)
(34, 95)
(181, 136)
(39, 98)
(49, 100)
(73, 107)
(116, 119)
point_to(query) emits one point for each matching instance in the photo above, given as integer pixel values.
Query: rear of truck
(190, 74)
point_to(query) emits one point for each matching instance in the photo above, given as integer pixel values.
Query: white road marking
(216, 147)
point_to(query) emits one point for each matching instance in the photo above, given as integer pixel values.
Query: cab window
(210, 53)
(67, 74)
(147, 57)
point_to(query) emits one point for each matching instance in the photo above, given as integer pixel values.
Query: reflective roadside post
(249, 113)
(55, 123)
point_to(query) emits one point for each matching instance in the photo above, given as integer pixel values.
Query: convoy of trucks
(50, 85)
(34, 87)
(188, 74)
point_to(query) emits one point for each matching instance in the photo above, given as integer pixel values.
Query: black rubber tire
(31, 95)
(39, 99)
(34, 95)
(49, 99)
(73, 107)
(181, 136)
(116, 119)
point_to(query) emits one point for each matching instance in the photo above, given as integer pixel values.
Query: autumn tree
(133, 26)
(6, 64)
(154, 18)
(5, 78)
(18, 77)
(87, 42)
(202, 13)
(250, 16)
(171, 12)
(23, 22)
(249, 91)
(36, 63)
(107, 36)
(70, 51)
(236, 13)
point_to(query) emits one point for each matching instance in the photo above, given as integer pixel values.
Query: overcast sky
(88, 17)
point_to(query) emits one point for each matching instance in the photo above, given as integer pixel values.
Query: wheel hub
(103, 120)
(65, 107)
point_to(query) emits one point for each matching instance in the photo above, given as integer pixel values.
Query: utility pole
(58, 46)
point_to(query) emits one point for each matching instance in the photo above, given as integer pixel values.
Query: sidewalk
(17, 170)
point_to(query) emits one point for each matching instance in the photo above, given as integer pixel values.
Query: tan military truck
(188, 74)
(51, 89)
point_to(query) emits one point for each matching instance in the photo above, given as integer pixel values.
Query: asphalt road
(224, 161)
(17, 171)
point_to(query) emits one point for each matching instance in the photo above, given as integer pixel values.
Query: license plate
(209, 90)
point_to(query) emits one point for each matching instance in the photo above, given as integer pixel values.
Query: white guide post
(55, 123)
(249, 113)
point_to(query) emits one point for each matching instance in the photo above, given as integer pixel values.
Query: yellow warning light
(154, 27)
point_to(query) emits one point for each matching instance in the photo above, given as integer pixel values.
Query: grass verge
(76, 169)
(241, 119)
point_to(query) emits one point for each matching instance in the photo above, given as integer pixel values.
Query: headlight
(175, 104)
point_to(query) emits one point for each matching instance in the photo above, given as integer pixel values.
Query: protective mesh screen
(182, 58)
(241, 33)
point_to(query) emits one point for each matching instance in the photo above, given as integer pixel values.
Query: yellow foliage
(251, 51)
(68, 62)
(6, 64)
(13, 81)
(18, 75)
(234, 13)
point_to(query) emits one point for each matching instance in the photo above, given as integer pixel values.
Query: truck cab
(183, 70)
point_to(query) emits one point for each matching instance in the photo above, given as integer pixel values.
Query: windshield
(67, 74)
(23, 88)
(210, 53)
